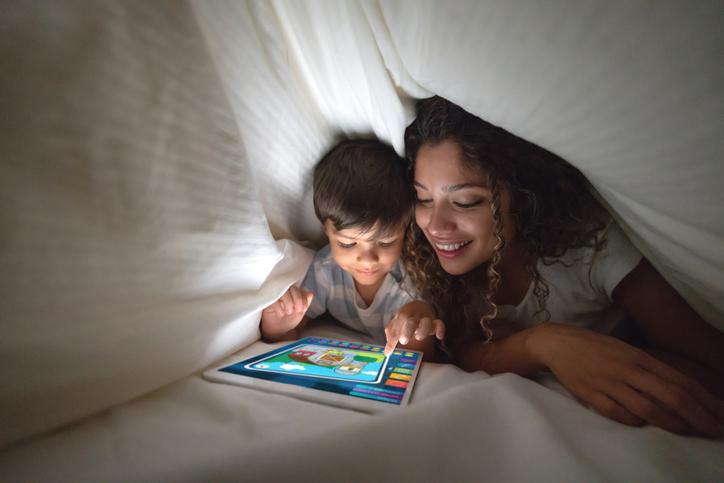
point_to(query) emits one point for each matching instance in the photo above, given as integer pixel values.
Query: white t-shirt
(334, 292)
(580, 292)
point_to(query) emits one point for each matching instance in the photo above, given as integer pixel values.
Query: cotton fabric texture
(581, 284)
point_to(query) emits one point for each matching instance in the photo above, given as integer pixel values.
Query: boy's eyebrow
(454, 187)
(371, 239)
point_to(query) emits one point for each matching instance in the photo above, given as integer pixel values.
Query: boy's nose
(368, 256)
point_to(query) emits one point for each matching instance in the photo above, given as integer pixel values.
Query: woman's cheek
(422, 216)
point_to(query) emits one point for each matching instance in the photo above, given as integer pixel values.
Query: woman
(509, 240)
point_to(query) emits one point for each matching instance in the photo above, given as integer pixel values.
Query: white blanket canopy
(151, 153)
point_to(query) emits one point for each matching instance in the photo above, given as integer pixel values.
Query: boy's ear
(328, 227)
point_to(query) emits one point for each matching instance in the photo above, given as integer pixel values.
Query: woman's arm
(616, 379)
(512, 354)
(674, 333)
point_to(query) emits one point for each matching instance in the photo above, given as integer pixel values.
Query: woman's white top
(581, 283)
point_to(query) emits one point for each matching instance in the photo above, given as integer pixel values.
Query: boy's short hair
(363, 183)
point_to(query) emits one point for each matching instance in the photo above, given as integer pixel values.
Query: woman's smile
(453, 208)
(450, 249)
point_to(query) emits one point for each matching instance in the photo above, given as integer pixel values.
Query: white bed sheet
(459, 427)
(151, 152)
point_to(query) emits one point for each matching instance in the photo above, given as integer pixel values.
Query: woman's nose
(440, 221)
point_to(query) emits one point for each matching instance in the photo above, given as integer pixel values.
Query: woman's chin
(461, 261)
(457, 266)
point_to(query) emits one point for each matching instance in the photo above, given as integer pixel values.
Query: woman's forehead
(445, 163)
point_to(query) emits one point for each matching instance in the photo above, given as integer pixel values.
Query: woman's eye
(472, 204)
(424, 202)
(345, 245)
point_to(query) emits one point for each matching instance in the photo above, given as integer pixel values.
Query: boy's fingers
(296, 297)
(308, 297)
(287, 303)
(278, 307)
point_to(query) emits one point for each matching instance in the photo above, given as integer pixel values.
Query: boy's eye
(387, 244)
(346, 245)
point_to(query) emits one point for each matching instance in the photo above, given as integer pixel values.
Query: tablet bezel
(346, 401)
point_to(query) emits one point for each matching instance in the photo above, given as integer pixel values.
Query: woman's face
(453, 208)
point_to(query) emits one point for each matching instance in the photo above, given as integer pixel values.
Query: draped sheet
(461, 427)
(151, 153)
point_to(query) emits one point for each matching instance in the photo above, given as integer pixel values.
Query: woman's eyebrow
(454, 187)
(458, 187)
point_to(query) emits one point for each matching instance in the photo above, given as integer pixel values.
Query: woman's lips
(451, 249)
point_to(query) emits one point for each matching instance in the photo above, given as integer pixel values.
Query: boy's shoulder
(323, 255)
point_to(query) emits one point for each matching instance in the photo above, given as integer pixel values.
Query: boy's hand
(414, 320)
(286, 313)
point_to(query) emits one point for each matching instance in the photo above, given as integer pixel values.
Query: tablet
(335, 372)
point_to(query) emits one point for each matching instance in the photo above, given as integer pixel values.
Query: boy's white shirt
(335, 293)
(581, 292)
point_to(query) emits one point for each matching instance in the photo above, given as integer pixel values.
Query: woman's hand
(414, 322)
(624, 383)
(285, 315)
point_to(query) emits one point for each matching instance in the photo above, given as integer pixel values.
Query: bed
(155, 165)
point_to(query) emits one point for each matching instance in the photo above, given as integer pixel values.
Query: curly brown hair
(551, 205)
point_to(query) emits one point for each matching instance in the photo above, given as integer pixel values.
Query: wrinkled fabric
(151, 153)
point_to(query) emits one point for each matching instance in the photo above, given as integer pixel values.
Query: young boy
(364, 200)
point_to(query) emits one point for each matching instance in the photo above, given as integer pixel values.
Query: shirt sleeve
(317, 281)
(614, 261)
(402, 292)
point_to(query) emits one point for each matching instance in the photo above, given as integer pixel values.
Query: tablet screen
(335, 366)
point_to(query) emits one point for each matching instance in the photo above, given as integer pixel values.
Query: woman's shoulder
(611, 240)
(602, 265)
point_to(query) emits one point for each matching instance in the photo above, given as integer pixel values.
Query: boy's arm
(292, 334)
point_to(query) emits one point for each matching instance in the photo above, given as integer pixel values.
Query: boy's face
(363, 255)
